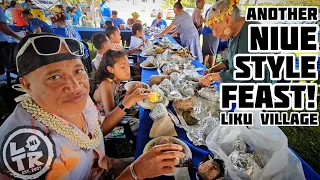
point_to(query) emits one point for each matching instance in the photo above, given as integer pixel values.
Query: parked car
(154, 13)
(170, 14)
(189, 11)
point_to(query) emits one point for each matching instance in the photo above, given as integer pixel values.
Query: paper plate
(185, 147)
(130, 83)
(148, 105)
(143, 65)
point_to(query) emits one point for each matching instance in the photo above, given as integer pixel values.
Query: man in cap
(58, 105)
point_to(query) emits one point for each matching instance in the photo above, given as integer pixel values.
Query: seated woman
(135, 17)
(35, 25)
(61, 115)
(106, 89)
(63, 29)
(235, 28)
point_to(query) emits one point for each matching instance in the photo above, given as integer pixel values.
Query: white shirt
(96, 61)
(134, 43)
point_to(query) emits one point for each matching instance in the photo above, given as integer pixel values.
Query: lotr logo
(27, 152)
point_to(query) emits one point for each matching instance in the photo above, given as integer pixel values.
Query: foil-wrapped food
(189, 119)
(166, 86)
(174, 95)
(158, 112)
(175, 77)
(211, 168)
(194, 85)
(185, 104)
(209, 94)
(244, 164)
(156, 88)
(186, 90)
(190, 78)
(239, 145)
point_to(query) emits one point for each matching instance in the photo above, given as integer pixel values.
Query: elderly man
(56, 132)
(116, 21)
(159, 21)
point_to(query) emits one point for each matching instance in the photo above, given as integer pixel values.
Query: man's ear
(25, 83)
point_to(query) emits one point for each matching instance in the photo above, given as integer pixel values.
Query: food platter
(148, 65)
(148, 105)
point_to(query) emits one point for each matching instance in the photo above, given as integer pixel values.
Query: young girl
(137, 40)
(106, 89)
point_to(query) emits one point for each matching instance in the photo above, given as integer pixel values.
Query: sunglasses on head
(40, 43)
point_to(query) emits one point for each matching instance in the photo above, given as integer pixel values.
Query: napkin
(163, 127)
(181, 173)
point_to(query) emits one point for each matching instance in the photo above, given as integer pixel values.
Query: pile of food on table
(195, 109)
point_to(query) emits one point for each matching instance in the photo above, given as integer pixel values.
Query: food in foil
(175, 77)
(211, 169)
(184, 104)
(166, 86)
(189, 119)
(194, 85)
(209, 94)
(169, 71)
(244, 163)
(258, 158)
(239, 145)
(156, 88)
(190, 78)
(158, 112)
(174, 95)
(186, 90)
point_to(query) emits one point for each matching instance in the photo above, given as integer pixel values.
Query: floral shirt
(71, 162)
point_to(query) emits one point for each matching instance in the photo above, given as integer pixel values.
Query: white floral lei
(68, 131)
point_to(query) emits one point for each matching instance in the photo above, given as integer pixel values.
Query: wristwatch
(121, 106)
(210, 78)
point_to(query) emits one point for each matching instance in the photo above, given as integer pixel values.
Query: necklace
(83, 124)
(68, 131)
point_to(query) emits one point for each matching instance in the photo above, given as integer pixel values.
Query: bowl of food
(129, 84)
(184, 162)
(148, 65)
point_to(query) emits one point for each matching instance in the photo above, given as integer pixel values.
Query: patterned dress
(118, 131)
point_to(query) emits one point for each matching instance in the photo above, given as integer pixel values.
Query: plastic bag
(268, 141)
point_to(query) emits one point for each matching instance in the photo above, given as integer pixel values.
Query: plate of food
(159, 50)
(155, 98)
(185, 162)
(131, 83)
(148, 65)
